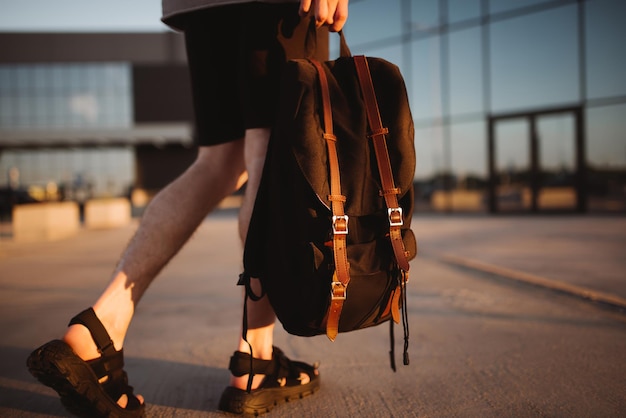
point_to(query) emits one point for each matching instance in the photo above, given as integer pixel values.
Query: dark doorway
(536, 162)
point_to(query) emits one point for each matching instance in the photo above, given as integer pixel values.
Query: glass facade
(606, 61)
(69, 173)
(534, 60)
(519, 106)
(61, 97)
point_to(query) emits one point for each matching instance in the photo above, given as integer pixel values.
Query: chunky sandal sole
(56, 365)
(261, 401)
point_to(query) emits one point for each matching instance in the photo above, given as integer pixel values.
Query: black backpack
(323, 217)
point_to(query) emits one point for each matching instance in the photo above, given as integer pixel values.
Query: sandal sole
(56, 365)
(261, 401)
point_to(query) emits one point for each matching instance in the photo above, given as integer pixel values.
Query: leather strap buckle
(338, 291)
(395, 216)
(340, 225)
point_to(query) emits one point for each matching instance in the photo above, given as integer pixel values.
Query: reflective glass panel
(426, 79)
(104, 172)
(429, 165)
(429, 151)
(512, 165)
(606, 158)
(466, 76)
(372, 20)
(606, 136)
(556, 142)
(534, 60)
(606, 54)
(43, 96)
(556, 135)
(460, 10)
(425, 15)
(468, 161)
(469, 151)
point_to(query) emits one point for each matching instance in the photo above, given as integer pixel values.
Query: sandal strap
(117, 385)
(107, 365)
(240, 365)
(291, 370)
(111, 362)
(279, 367)
(100, 336)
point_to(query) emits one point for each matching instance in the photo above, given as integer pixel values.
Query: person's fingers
(333, 13)
(305, 7)
(321, 13)
(340, 16)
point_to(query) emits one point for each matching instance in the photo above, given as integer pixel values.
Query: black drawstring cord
(244, 280)
(392, 352)
(402, 279)
(405, 317)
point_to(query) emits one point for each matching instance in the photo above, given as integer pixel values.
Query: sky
(80, 15)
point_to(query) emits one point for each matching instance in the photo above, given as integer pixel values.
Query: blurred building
(519, 106)
(96, 115)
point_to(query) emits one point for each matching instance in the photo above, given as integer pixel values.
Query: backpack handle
(310, 42)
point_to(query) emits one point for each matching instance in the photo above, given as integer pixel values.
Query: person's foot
(275, 381)
(79, 339)
(87, 372)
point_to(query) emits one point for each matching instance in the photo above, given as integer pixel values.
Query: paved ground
(483, 342)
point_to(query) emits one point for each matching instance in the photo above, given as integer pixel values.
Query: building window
(65, 96)
(463, 10)
(426, 96)
(534, 61)
(466, 72)
(606, 158)
(606, 60)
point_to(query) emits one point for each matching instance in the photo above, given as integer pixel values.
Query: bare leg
(261, 315)
(170, 219)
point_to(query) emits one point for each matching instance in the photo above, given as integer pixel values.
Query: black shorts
(235, 54)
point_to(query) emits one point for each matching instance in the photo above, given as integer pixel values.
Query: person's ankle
(79, 338)
(242, 382)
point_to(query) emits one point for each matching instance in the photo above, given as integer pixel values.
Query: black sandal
(281, 383)
(78, 382)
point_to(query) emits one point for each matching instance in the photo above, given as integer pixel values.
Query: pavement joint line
(535, 280)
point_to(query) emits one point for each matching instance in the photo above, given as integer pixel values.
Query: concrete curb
(609, 300)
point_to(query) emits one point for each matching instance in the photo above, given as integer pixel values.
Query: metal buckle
(403, 278)
(337, 291)
(340, 225)
(393, 212)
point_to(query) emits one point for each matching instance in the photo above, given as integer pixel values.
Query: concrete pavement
(583, 256)
(482, 344)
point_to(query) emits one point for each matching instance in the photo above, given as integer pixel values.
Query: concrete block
(45, 221)
(557, 198)
(107, 213)
(458, 200)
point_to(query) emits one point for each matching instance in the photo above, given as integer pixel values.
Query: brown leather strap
(341, 277)
(378, 135)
